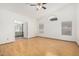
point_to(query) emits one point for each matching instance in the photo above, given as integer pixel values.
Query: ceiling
(26, 10)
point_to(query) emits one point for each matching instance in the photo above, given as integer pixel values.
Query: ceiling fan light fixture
(39, 6)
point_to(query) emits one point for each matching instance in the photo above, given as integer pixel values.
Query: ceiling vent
(53, 18)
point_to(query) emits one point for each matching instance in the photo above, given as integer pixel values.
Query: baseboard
(33, 37)
(20, 38)
(77, 43)
(7, 42)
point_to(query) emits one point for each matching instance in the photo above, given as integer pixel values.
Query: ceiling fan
(39, 5)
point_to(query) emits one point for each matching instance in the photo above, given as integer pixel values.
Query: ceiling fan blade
(32, 5)
(43, 7)
(44, 3)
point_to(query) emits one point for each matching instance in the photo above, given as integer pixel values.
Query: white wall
(7, 31)
(53, 29)
(25, 29)
(77, 21)
(32, 28)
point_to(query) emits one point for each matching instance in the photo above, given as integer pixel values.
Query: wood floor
(39, 47)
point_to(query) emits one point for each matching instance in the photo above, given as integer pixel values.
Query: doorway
(21, 29)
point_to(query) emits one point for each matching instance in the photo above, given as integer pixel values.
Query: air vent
(53, 18)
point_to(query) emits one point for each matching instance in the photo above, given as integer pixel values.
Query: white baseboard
(77, 42)
(7, 42)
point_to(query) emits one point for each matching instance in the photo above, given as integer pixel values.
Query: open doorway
(21, 29)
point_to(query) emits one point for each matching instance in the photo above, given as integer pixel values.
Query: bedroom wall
(7, 27)
(53, 29)
(77, 21)
(7, 31)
